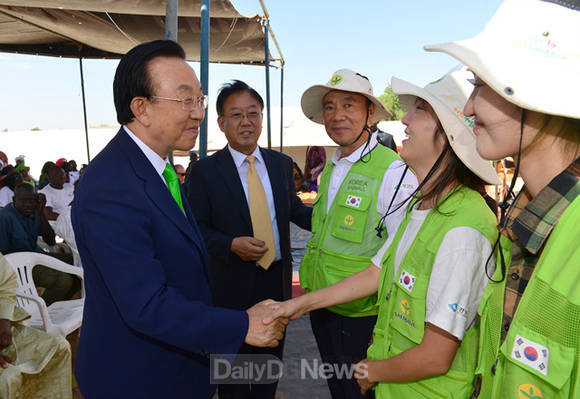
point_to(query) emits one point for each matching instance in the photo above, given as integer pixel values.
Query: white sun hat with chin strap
(529, 53)
(344, 80)
(447, 96)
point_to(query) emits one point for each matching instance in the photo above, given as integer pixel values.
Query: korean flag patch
(407, 280)
(353, 201)
(531, 354)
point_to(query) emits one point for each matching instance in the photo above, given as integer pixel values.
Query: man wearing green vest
(360, 185)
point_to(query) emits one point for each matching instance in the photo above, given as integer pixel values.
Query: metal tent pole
(84, 108)
(267, 62)
(281, 105)
(171, 11)
(204, 72)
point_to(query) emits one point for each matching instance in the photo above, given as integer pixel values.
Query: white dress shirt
(157, 162)
(386, 190)
(243, 166)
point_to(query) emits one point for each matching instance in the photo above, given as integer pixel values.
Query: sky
(377, 38)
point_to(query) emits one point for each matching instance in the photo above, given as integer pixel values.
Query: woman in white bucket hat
(527, 63)
(432, 275)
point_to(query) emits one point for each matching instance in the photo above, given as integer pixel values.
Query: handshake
(268, 320)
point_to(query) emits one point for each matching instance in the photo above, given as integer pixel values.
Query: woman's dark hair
(132, 76)
(453, 170)
(12, 180)
(47, 165)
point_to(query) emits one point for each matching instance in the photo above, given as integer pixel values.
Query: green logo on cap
(335, 80)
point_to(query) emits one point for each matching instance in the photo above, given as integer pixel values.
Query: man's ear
(221, 123)
(371, 114)
(140, 106)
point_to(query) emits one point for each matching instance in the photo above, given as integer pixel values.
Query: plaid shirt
(528, 225)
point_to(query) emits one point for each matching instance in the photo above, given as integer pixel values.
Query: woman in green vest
(430, 275)
(525, 104)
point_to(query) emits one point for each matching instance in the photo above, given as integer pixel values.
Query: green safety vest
(540, 357)
(344, 240)
(401, 321)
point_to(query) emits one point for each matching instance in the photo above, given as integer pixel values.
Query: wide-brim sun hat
(343, 80)
(529, 53)
(447, 96)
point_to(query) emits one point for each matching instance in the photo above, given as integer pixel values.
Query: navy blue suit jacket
(148, 322)
(219, 204)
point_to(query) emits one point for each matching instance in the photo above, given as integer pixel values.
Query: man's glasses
(238, 116)
(189, 103)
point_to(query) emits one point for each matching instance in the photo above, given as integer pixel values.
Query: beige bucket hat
(447, 96)
(344, 80)
(529, 53)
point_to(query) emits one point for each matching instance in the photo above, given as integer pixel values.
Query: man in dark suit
(148, 325)
(384, 138)
(247, 265)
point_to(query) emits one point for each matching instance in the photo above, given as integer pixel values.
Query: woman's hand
(361, 373)
(292, 309)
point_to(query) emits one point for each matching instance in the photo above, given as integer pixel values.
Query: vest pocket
(333, 272)
(350, 217)
(533, 366)
(408, 308)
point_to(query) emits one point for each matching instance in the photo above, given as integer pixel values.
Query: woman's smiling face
(423, 144)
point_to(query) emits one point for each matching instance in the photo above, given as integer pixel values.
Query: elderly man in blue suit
(149, 326)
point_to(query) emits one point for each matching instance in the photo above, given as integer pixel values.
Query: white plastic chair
(62, 317)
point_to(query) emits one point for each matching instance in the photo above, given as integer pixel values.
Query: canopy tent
(110, 28)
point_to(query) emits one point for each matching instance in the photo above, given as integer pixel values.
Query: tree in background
(391, 101)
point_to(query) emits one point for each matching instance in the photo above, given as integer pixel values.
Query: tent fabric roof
(110, 28)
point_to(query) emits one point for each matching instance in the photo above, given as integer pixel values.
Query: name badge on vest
(531, 354)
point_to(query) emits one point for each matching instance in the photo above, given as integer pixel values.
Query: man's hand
(361, 373)
(5, 339)
(248, 248)
(260, 334)
(291, 309)
(40, 202)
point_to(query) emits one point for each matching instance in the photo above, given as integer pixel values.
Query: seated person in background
(23, 170)
(73, 173)
(9, 181)
(180, 170)
(3, 160)
(20, 224)
(33, 364)
(58, 194)
(43, 179)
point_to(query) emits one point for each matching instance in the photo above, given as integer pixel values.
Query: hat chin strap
(505, 206)
(366, 128)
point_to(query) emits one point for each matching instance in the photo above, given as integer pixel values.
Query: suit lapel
(156, 190)
(228, 171)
